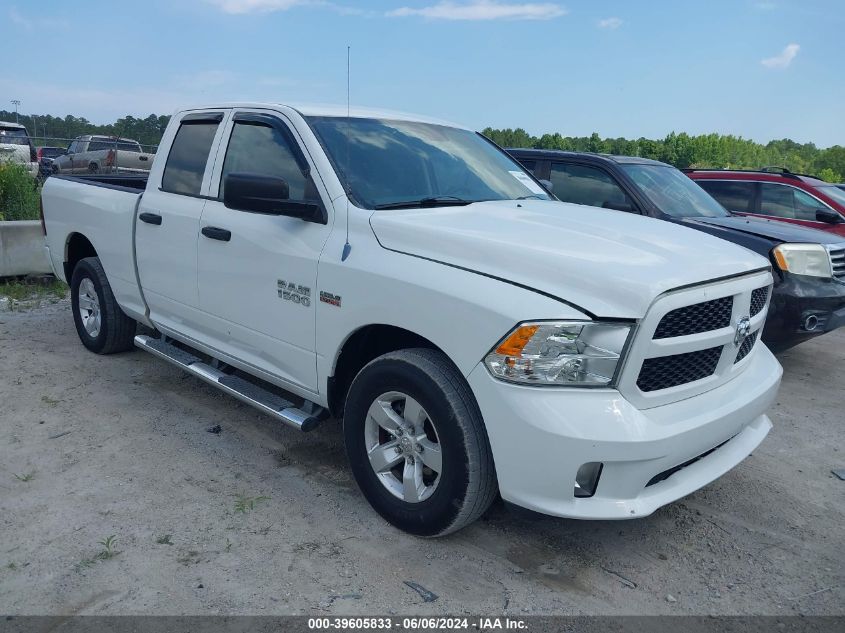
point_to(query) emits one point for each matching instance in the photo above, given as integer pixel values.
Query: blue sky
(762, 69)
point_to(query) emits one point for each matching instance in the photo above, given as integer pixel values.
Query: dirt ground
(260, 519)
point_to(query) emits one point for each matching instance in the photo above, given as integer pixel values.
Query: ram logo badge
(743, 328)
(295, 293)
(327, 297)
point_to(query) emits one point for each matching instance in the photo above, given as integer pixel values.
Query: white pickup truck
(408, 277)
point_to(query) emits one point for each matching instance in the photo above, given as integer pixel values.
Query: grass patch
(106, 553)
(33, 290)
(25, 477)
(244, 504)
(164, 540)
(19, 193)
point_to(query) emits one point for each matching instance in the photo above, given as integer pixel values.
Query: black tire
(117, 331)
(93, 168)
(467, 484)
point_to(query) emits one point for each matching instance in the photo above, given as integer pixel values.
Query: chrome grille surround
(837, 260)
(645, 347)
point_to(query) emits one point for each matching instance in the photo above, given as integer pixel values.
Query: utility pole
(17, 102)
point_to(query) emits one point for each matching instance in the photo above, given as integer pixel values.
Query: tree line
(683, 150)
(47, 129)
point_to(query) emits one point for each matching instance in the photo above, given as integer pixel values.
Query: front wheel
(102, 326)
(416, 443)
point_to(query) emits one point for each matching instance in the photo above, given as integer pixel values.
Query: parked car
(778, 194)
(410, 277)
(16, 146)
(45, 156)
(809, 291)
(102, 154)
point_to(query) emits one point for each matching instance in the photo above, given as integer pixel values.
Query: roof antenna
(347, 247)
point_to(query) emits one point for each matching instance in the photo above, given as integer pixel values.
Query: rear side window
(733, 195)
(13, 136)
(787, 202)
(586, 185)
(188, 157)
(260, 149)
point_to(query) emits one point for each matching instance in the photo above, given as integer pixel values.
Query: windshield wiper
(535, 196)
(433, 201)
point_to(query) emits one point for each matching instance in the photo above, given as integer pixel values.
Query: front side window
(188, 156)
(734, 195)
(784, 201)
(405, 164)
(672, 192)
(264, 150)
(583, 184)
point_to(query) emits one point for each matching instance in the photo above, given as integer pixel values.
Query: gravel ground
(259, 519)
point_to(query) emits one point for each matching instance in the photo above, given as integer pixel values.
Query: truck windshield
(673, 193)
(832, 191)
(404, 164)
(13, 136)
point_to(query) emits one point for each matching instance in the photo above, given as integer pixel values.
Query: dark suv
(776, 193)
(809, 266)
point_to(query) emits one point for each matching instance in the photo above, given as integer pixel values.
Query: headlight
(803, 259)
(577, 353)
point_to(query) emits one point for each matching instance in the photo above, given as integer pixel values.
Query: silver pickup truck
(91, 154)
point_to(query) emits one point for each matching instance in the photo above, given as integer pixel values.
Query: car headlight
(576, 353)
(803, 259)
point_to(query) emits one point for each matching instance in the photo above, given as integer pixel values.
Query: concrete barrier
(22, 249)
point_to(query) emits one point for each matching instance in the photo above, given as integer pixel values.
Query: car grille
(694, 319)
(695, 342)
(746, 346)
(758, 300)
(679, 369)
(837, 262)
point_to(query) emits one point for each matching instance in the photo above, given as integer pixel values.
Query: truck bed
(132, 182)
(99, 210)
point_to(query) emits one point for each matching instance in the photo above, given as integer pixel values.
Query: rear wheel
(417, 444)
(100, 323)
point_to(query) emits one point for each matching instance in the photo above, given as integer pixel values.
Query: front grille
(837, 262)
(671, 371)
(758, 299)
(746, 346)
(699, 317)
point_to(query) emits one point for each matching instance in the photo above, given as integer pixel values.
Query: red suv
(778, 194)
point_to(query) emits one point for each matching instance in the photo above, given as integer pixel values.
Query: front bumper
(794, 299)
(541, 436)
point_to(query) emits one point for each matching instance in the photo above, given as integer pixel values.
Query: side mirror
(618, 206)
(266, 194)
(548, 184)
(829, 216)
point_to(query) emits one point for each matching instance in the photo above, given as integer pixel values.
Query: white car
(408, 276)
(17, 147)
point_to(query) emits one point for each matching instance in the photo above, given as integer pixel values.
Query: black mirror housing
(829, 216)
(258, 193)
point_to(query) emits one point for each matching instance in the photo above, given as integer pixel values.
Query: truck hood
(772, 229)
(606, 263)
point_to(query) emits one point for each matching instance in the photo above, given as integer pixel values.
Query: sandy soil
(259, 519)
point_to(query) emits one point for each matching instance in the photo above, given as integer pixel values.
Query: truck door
(167, 223)
(258, 271)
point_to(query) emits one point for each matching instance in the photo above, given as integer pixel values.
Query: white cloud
(483, 10)
(27, 23)
(610, 23)
(784, 59)
(257, 6)
(765, 6)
